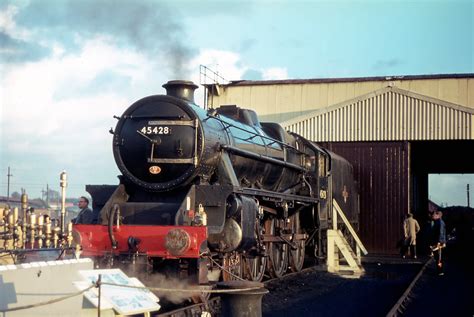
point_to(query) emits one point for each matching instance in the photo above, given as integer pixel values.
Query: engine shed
(394, 130)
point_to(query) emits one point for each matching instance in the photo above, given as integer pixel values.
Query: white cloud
(29, 90)
(58, 50)
(225, 63)
(228, 65)
(55, 114)
(8, 25)
(275, 73)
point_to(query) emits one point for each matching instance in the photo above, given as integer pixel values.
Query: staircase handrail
(349, 226)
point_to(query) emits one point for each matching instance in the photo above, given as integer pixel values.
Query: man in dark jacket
(438, 239)
(85, 216)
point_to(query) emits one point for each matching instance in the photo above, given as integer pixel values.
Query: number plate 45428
(155, 130)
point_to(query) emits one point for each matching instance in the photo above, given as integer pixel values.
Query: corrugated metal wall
(382, 170)
(390, 114)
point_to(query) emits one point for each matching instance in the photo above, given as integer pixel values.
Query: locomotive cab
(245, 116)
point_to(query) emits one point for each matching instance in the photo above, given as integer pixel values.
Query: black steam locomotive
(215, 194)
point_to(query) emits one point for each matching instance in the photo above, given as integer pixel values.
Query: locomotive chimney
(183, 89)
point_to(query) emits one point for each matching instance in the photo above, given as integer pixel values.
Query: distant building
(432, 206)
(38, 205)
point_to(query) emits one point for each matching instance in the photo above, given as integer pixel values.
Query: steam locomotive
(215, 194)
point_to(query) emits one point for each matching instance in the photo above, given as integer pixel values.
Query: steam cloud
(149, 26)
(175, 297)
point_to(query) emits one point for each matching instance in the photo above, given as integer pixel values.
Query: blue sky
(68, 66)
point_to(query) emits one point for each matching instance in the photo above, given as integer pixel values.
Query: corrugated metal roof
(388, 114)
(341, 80)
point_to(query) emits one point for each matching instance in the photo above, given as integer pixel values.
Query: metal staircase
(338, 244)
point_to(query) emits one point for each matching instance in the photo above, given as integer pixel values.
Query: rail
(399, 307)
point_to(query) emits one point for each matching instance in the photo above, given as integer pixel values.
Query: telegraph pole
(47, 195)
(8, 184)
(468, 200)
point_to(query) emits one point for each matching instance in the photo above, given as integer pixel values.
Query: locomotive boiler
(214, 194)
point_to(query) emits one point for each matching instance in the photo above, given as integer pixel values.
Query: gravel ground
(318, 293)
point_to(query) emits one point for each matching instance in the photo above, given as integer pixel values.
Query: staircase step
(348, 255)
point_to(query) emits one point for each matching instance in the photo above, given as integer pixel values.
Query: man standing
(410, 228)
(438, 239)
(85, 215)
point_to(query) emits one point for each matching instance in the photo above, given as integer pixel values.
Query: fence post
(99, 283)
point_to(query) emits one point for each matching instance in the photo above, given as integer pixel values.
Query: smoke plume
(149, 26)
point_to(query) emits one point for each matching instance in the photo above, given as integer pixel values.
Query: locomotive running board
(274, 195)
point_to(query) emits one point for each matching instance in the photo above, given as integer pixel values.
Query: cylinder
(48, 232)
(15, 214)
(40, 221)
(32, 220)
(48, 227)
(24, 201)
(247, 303)
(40, 231)
(11, 220)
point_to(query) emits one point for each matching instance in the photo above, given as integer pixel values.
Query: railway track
(205, 309)
(400, 305)
(276, 285)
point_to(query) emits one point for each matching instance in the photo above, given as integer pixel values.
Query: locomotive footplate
(287, 238)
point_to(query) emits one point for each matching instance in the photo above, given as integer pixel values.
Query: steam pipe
(115, 210)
